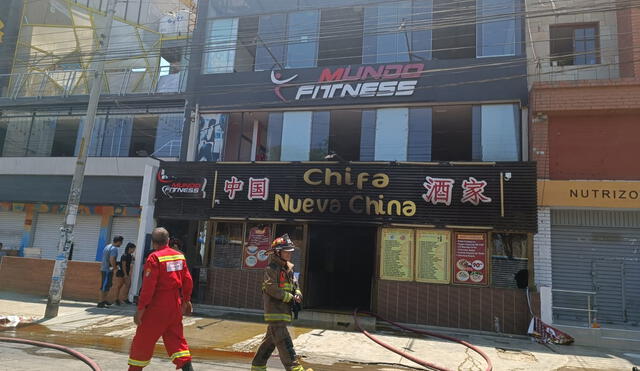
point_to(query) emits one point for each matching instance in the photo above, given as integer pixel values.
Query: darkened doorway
(340, 267)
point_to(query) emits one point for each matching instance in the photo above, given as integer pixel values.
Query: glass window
(496, 30)
(227, 245)
(320, 127)
(451, 138)
(246, 50)
(509, 260)
(111, 136)
(296, 136)
(211, 136)
(168, 139)
(221, 40)
(270, 44)
(302, 40)
(345, 134)
(500, 132)
(345, 47)
(453, 39)
(64, 141)
(274, 136)
(383, 42)
(29, 137)
(392, 134)
(143, 135)
(419, 147)
(574, 45)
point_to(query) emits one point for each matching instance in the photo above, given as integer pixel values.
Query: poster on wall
(470, 259)
(257, 243)
(211, 137)
(396, 254)
(433, 252)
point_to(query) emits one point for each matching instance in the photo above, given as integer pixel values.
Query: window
(221, 40)
(343, 45)
(64, 141)
(344, 134)
(500, 132)
(168, 139)
(392, 134)
(29, 136)
(397, 32)
(573, 45)
(227, 245)
(302, 39)
(246, 47)
(111, 136)
(509, 260)
(270, 42)
(143, 135)
(496, 30)
(451, 136)
(453, 38)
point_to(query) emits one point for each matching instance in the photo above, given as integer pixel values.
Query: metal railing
(65, 83)
(177, 144)
(591, 301)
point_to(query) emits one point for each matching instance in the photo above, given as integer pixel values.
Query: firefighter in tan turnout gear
(279, 291)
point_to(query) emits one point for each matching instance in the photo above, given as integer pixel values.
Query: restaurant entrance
(340, 267)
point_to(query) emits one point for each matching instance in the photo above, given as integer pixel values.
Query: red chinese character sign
(232, 186)
(470, 259)
(438, 190)
(474, 191)
(257, 243)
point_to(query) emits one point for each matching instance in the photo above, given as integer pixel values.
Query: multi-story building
(584, 71)
(48, 67)
(387, 138)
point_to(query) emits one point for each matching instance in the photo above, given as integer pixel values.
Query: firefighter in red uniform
(164, 298)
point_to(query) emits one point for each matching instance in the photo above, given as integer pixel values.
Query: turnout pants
(277, 337)
(162, 318)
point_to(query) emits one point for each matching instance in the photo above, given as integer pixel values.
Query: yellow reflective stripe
(277, 317)
(184, 353)
(298, 292)
(170, 257)
(298, 368)
(287, 286)
(258, 368)
(287, 297)
(134, 362)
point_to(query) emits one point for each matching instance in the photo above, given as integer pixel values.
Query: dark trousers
(277, 337)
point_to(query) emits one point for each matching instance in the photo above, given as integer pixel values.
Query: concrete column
(147, 223)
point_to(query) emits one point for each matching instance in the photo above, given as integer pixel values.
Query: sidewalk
(228, 340)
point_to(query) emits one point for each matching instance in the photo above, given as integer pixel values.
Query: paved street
(223, 341)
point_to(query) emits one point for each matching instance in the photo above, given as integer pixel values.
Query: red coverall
(167, 283)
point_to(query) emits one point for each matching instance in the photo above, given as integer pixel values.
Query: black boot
(187, 367)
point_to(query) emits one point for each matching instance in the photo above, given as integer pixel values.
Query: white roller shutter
(11, 229)
(85, 238)
(47, 234)
(126, 227)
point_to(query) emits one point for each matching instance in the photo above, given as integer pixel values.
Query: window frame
(558, 58)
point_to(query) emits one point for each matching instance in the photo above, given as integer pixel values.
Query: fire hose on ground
(420, 332)
(91, 363)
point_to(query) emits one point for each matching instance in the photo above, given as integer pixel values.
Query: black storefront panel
(425, 194)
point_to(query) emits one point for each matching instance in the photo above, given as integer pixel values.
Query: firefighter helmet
(283, 243)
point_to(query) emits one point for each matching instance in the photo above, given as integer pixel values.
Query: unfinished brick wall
(33, 276)
(629, 42)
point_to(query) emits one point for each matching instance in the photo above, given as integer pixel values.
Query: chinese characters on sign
(432, 256)
(396, 260)
(258, 188)
(470, 259)
(439, 191)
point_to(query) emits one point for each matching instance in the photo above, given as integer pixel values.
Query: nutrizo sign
(387, 80)
(173, 187)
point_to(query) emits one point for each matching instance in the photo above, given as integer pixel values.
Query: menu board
(395, 257)
(433, 252)
(470, 259)
(257, 243)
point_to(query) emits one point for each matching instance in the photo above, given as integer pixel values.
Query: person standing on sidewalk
(107, 267)
(279, 291)
(164, 298)
(123, 275)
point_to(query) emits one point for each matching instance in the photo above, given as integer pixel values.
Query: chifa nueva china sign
(387, 80)
(438, 195)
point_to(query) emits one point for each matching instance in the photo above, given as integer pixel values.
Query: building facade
(585, 100)
(389, 140)
(47, 70)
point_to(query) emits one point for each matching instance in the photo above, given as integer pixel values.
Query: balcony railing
(65, 83)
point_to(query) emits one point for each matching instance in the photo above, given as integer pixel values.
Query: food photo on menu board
(470, 259)
(256, 246)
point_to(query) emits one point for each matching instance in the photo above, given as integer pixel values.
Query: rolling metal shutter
(47, 234)
(126, 227)
(597, 251)
(11, 229)
(85, 238)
